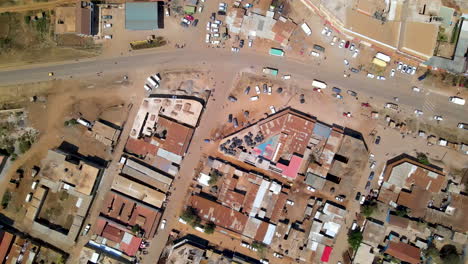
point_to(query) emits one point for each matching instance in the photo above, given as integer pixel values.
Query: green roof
(141, 16)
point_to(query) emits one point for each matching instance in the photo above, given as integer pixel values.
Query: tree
(190, 216)
(368, 209)
(402, 211)
(214, 176)
(210, 227)
(354, 239)
(448, 253)
(422, 158)
(136, 228)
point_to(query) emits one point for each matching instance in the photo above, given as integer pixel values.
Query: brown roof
(112, 233)
(131, 212)
(6, 239)
(404, 252)
(222, 216)
(83, 20)
(141, 147)
(177, 137)
(416, 200)
(419, 39)
(278, 209)
(398, 221)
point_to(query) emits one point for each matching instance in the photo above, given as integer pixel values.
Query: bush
(6, 199)
(422, 158)
(402, 211)
(210, 227)
(448, 253)
(214, 177)
(190, 216)
(24, 144)
(354, 239)
(136, 228)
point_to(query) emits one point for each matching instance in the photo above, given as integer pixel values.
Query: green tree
(190, 216)
(422, 158)
(449, 255)
(6, 199)
(355, 239)
(214, 177)
(210, 227)
(136, 228)
(368, 209)
(402, 211)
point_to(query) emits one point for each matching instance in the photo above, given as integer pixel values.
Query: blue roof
(322, 130)
(141, 16)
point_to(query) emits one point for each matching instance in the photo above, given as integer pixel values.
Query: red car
(189, 17)
(347, 44)
(365, 105)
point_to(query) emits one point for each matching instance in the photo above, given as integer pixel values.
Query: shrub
(6, 199)
(210, 227)
(368, 209)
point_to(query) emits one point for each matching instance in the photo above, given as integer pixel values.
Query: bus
(276, 52)
(306, 29)
(319, 84)
(383, 57)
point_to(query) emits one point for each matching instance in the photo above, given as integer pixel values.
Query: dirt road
(35, 6)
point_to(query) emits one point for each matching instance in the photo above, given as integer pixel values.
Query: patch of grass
(422, 158)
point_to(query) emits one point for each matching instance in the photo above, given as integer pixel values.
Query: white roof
(204, 179)
(331, 228)
(94, 257)
(269, 234)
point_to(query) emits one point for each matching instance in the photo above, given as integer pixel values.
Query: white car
(462, 125)
(418, 112)
(438, 118)
(277, 255)
(289, 202)
(328, 33)
(208, 25)
(381, 78)
(213, 25)
(363, 199)
(200, 9)
(214, 30)
(346, 62)
(216, 35)
(257, 89)
(107, 25)
(166, 11)
(186, 21)
(269, 90)
(370, 75)
(315, 54)
(352, 47)
(264, 261)
(254, 98)
(310, 188)
(218, 22)
(416, 89)
(356, 52)
(413, 70)
(215, 42)
(325, 30)
(372, 165)
(244, 244)
(163, 224)
(392, 73)
(234, 49)
(272, 109)
(108, 36)
(86, 229)
(339, 198)
(334, 40)
(342, 42)
(286, 77)
(207, 39)
(250, 43)
(400, 66)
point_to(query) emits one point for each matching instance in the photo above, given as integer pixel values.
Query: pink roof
(292, 169)
(326, 254)
(132, 248)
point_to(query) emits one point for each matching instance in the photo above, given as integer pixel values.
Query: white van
(254, 98)
(319, 84)
(457, 100)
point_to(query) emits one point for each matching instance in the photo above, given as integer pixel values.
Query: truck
(306, 29)
(383, 57)
(276, 52)
(457, 100)
(319, 84)
(319, 48)
(272, 71)
(152, 82)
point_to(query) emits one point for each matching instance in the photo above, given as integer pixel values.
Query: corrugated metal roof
(322, 130)
(141, 16)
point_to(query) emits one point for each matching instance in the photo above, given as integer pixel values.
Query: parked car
(336, 90)
(346, 62)
(438, 118)
(462, 125)
(382, 78)
(289, 202)
(377, 140)
(418, 112)
(241, 43)
(325, 30)
(400, 66)
(416, 89)
(351, 93)
(371, 176)
(107, 25)
(106, 17)
(342, 43)
(340, 198)
(355, 70)
(247, 90)
(310, 188)
(250, 43)
(195, 23)
(163, 224)
(356, 52)
(368, 184)
(358, 196)
(372, 165)
(363, 199)
(86, 229)
(352, 47)
(392, 73)
(257, 89)
(370, 75)
(347, 44)
(232, 98)
(315, 54)
(230, 118)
